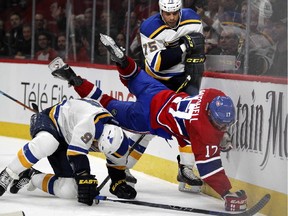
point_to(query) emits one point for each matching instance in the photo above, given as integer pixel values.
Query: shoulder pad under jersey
(189, 16)
(152, 26)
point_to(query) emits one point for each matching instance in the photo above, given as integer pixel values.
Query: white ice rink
(149, 189)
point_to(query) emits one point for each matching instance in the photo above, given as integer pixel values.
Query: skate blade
(56, 64)
(183, 187)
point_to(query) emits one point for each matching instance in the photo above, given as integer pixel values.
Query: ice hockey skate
(130, 179)
(23, 180)
(5, 180)
(117, 54)
(59, 69)
(188, 181)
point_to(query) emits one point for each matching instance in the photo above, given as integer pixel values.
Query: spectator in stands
(144, 8)
(101, 56)
(122, 11)
(23, 47)
(61, 45)
(279, 35)
(210, 42)
(134, 26)
(120, 40)
(229, 48)
(209, 15)
(228, 42)
(40, 26)
(83, 36)
(136, 50)
(105, 21)
(58, 22)
(46, 52)
(14, 36)
(3, 45)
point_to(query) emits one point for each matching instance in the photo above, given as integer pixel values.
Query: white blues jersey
(156, 36)
(79, 122)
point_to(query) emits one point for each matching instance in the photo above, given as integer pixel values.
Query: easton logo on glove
(88, 181)
(116, 184)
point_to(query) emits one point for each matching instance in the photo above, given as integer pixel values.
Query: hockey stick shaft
(18, 102)
(253, 210)
(188, 78)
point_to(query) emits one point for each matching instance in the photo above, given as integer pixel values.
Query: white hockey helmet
(110, 139)
(170, 5)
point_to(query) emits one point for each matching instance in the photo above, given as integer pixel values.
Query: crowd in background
(230, 26)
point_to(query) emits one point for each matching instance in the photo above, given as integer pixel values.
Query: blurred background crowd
(241, 36)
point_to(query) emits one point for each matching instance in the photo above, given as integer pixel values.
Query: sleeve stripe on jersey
(75, 150)
(48, 182)
(122, 150)
(110, 164)
(95, 93)
(136, 155)
(156, 62)
(212, 173)
(209, 167)
(26, 157)
(101, 116)
(54, 115)
(186, 22)
(163, 27)
(154, 74)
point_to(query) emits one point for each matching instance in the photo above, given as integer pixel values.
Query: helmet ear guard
(222, 112)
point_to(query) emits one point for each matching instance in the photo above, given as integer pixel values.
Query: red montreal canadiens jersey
(186, 118)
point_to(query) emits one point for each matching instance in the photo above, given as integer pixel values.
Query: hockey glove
(119, 187)
(235, 201)
(63, 71)
(194, 43)
(87, 188)
(226, 143)
(122, 190)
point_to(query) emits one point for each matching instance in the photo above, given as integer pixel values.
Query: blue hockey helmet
(222, 112)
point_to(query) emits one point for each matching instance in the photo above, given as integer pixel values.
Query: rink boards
(258, 162)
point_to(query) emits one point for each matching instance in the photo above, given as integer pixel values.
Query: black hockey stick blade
(35, 107)
(252, 211)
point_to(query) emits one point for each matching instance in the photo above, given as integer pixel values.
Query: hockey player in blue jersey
(64, 134)
(170, 40)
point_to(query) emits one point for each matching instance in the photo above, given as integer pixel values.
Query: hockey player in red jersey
(199, 121)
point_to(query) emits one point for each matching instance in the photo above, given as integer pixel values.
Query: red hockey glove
(236, 201)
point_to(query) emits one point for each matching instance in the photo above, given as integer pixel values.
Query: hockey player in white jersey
(168, 39)
(65, 133)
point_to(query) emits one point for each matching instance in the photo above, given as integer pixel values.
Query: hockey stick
(188, 78)
(253, 210)
(22, 104)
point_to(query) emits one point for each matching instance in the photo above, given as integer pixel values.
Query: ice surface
(149, 189)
